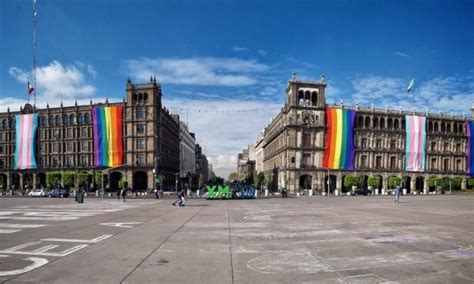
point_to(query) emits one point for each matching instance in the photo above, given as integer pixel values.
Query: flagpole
(34, 53)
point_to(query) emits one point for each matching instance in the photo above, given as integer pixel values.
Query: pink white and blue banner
(415, 153)
(470, 147)
(26, 125)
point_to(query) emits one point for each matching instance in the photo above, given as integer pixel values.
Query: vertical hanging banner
(25, 141)
(339, 149)
(470, 147)
(107, 128)
(415, 153)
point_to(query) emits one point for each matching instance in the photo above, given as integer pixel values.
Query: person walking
(119, 192)
(178, 199)
(183, 198)
(124, 194)
(397, 194)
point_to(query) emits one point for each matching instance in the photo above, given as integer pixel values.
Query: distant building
(259, 154)
(246, 163)
(202, 165)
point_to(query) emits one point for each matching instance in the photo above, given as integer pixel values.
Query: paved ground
(424, 239)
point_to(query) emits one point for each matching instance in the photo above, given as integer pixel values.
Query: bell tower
(302, 93)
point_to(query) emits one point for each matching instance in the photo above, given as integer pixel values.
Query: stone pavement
(424, 239)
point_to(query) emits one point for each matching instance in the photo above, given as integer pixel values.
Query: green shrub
(394, 182)
(374, 182)
(98, 179)
(470, 183)
(68, 179)
(434, 181)
(351, 180)
(83, 178)
(122, 184)
(53, 178)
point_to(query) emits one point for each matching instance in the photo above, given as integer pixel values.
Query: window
(363, 142)
(306, 160)
(84, 146)
(43, 121)
(446, 164)
(378, 162)
(140, 159)
(66, 119)
(69, 132)
(41, 148)
(84, 161)
(433, 146)
(433, 164)
(393, 162)
(140, 144)
(458, 147)
(55, 162)
(55, 147)
(458, 165)
(393, 144)
(69, 147)
(363, 161)
(378, 143)
(2, 163)
(1, 149)
(446, 147)
(80, 119)
(41, 161)
(58, 120)
(56, 133)
(87, 119)
(306, 139)
(1, 136)
(51, 121)
(42, 134)
(140, 128)
(69, 161)
(72, 119)
(140, 112)
(84, 132)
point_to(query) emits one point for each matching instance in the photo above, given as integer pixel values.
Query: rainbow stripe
(339, 151)
(415, 153)
(25, 139)
(107, 127)
(470, 147)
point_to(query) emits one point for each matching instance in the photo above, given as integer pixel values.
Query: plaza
(423, 239)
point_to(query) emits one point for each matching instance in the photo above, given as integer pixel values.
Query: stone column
(339, 181)
(385, 183)
(21, 181)
(413, 184)
(34, 180)
(8, 181)
(464, 184)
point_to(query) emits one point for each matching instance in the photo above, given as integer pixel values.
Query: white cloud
(401, 54)
(207, 71)
(262, 52)
(239, 48)
(224, 127)
(56, 79)
(449, 94)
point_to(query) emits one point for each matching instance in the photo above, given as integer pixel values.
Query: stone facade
(65, 142)
(294, 141)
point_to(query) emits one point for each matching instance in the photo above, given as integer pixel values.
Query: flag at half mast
(411, 85)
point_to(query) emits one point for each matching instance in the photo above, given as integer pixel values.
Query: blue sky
(228, 61)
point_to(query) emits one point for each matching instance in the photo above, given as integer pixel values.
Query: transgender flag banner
(470, 147)
(26, 125)
(415, 143)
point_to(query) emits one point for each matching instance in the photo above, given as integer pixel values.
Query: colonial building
(246, 163)
(187, 154)
(65, 141)
(294, 143)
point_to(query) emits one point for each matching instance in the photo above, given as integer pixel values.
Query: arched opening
(367, 122)
(80, 119)
(443, 127)
(307, 98)
(455, 128)
(3, 181)
(58, 120)
(376, 122)
(436, 128)
(145, 96)
(66, 119)
(51, 121)
(332, 183)
(360, 122)
(448, 128)
(4, 124)
(305, 182)
(115, 177)
(314, 98)
(430, 127)
(382, 123)
(87, 118)
(364, 181)
(72, 119)
(41, 180)
(140, 96)
(300, 98)
(407, 183)
(15, 181)
(139, 181)
(27, 181)
(420, 183)
(390, 124)
(403, 123)
(274, 185)
(396, 124)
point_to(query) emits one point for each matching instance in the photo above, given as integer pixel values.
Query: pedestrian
(119, 192)
(183, 198)
(124, 194)
(178, 199)
(397, 194)
(157, 193)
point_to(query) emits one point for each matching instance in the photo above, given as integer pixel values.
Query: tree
(98, 179)
(201, 181)
(456, 183)
(268, 182)
(394, 182)
(83, 179)
(68, 179)
(374, 182)
(470, 183)
(122, 184)
(351, 180)
(53, 179)
(434, 181)
(259, 179)
(233, 176)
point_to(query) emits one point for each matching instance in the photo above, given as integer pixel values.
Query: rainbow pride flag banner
(107, 128)
(339, 150)
(470, 147)
(415, 147)
(25, 141)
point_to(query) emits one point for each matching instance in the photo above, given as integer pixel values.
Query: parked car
(58, 192)
(362, 191)
(37, 193)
